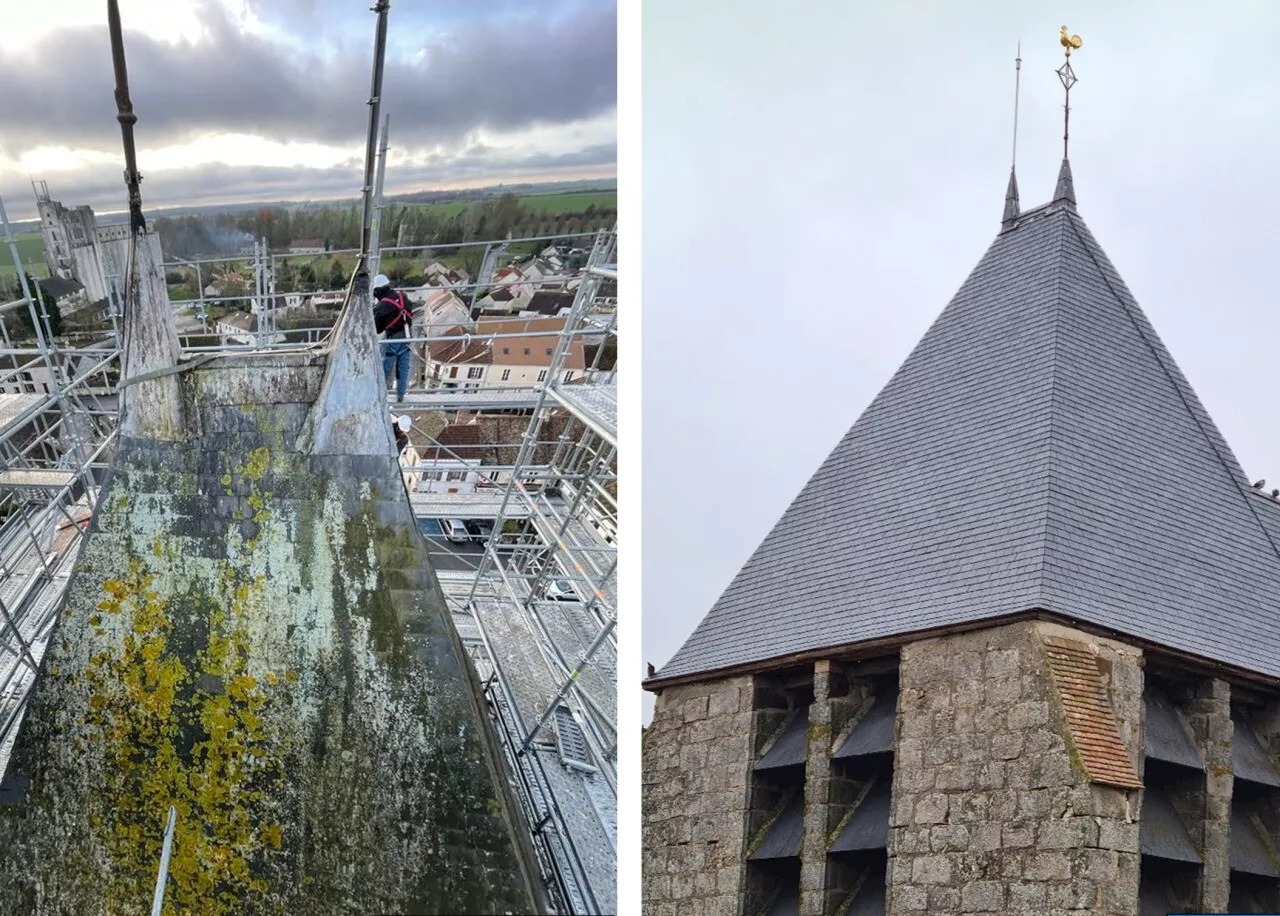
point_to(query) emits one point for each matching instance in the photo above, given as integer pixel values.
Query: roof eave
(887, 645)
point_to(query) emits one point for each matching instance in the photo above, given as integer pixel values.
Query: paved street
(447, 555)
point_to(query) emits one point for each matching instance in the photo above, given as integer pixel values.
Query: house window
(475, 372)
(506, 351)
(453, 372)
(457, 475)
(527, 351)
(542, 376)
(506, 374)
(548, 351)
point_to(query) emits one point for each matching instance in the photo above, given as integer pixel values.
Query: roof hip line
(1053, 403)
(1217, 452)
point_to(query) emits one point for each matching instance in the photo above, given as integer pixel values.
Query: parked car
(562, 590)
(480, 530)
(455, 529)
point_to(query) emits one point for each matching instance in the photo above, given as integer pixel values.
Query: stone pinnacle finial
(1065, 192)
(1011, 207)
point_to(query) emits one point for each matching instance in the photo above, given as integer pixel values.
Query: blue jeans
(395, 357)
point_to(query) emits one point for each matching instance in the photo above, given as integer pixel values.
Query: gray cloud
(540, 69)
(103, 189)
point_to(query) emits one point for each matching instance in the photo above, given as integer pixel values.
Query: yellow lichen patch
(259, 461)
(188, 730)
(272, 835)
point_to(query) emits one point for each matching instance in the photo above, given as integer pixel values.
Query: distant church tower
(1049, 684)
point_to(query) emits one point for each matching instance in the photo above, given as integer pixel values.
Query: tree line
(338, 227)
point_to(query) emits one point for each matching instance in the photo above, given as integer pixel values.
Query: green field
(571, 203)
(539, 203)
(30, 249)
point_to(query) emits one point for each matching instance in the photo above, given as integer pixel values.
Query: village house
(474, 358)
(68, 294)
(242, 327)
(307, 246)
(548, 303)
(502, 301)
(437, 274)
(328, 300)
(441, 310)
(452, 462)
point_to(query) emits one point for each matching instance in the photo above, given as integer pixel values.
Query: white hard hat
(380, 281)
(404, 422)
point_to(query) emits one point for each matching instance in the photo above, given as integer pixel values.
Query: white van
(455, 530)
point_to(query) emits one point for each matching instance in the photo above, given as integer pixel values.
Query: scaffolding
(532, 589)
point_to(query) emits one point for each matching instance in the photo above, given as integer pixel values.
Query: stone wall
(695, 760)
(992, 812)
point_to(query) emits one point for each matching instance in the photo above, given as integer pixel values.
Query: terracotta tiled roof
(460, 350)
(1090, 719)
(466, 441)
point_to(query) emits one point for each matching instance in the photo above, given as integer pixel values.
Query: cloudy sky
(265, 99)
(817, 186)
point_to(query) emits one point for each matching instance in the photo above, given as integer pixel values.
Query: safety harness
(403, 315)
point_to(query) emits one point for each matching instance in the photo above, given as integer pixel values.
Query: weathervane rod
(127, 119)
(1017, 83)
(1068, 77)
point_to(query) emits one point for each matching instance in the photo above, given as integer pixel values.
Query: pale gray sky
(818, 184)
(244, 100)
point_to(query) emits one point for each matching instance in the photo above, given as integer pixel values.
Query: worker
(393, 316)
(409, 457)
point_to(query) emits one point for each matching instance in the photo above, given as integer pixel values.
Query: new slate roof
(1039, 450)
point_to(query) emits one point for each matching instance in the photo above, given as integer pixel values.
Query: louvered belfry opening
(1255, 806)
(1171, 832)
(820, 788)
(859, 790)
(775, 797)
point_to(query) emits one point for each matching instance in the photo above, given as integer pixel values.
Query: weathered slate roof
(1039, 450)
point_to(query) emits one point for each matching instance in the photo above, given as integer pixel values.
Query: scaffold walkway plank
(595, 405)
(448, 399)
(32, 478)
(466, 505)
(15, 407)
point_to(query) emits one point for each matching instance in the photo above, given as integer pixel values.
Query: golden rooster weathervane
(1068, 77)
(1069, 42)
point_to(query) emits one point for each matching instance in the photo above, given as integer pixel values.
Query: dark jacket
(393, 314)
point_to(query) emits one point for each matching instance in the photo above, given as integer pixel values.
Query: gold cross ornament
(1069, 41)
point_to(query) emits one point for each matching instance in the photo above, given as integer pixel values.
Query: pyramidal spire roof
(1065, 191)
(1038, 452)
(1011, 208)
